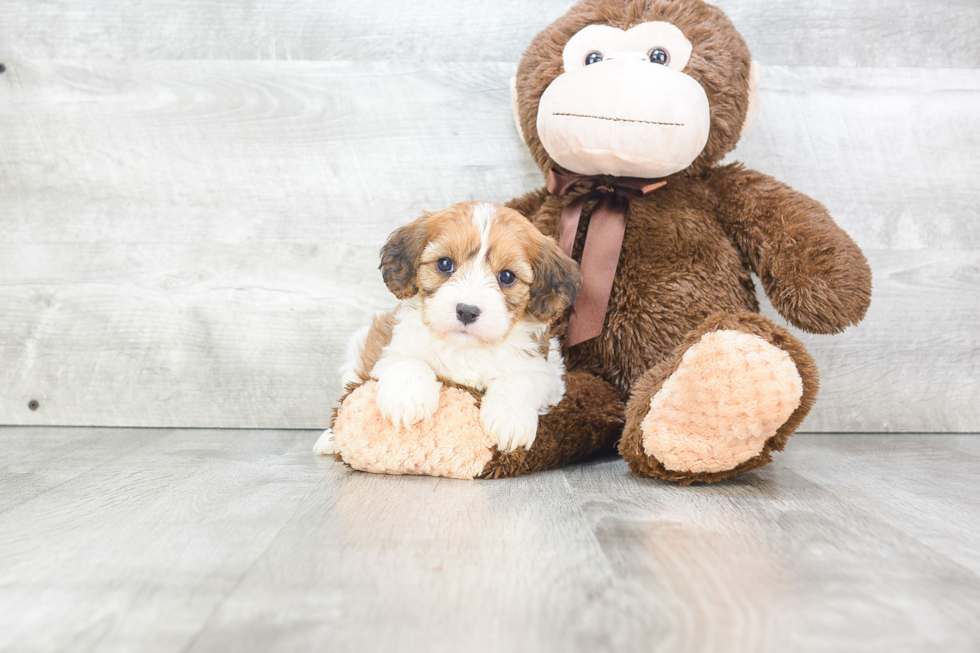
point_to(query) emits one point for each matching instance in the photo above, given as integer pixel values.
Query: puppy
(480, 286)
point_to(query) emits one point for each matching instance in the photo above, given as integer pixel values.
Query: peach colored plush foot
(730, 394)
(451, 443)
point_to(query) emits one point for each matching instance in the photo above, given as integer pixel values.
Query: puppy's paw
(325, 445)
(510, 426)
(408, 395)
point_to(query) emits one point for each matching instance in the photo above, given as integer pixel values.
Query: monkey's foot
(730, 394)
(452, 443)
(721, 405)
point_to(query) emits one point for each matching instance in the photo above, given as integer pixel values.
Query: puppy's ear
(557, 279)
(400, 258)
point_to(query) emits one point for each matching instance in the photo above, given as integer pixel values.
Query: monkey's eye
(593, 57)
(445, 265)
(506, 278)
(660, 56)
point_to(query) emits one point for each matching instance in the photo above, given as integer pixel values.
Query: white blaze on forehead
(472, 283)
(473, 276)
(483, 215)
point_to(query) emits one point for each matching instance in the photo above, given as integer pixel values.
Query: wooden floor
(196, 540)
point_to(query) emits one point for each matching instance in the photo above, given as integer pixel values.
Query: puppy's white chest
(470, 368)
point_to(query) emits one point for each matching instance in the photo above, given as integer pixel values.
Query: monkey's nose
(467, 313)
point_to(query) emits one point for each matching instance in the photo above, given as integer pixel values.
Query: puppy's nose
(467, 313)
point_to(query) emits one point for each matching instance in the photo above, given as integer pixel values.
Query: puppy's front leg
(509, 411)
(408, 391)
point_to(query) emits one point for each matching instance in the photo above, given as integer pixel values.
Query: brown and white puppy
(480, 286)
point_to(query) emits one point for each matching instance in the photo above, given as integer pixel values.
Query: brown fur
(547, 279)
(561, 439)
(378, 337)
(556, 283)
(812, 271)
(400, 258)
(689, 248)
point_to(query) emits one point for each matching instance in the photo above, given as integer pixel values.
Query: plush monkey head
(636, 88)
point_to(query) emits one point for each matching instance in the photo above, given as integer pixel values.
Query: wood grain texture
(889, 152)
(147, 336)
(245, 541)
(926, 33)
(181, 151)
(134, 553)
(30, 467)
(189, 244)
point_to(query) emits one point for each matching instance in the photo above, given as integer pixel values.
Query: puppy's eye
(506, 278)
(593, 57)
(660, 56)
(445, 265)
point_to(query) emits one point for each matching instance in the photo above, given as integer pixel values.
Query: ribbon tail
(600, 258)
(570, 216)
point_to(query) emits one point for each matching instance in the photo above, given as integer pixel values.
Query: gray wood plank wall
(193, 193)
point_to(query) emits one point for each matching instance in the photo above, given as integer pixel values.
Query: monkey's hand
(812, 271)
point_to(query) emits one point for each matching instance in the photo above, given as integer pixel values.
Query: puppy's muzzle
(467, 313)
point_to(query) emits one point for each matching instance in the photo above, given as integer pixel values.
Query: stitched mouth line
(646, 122)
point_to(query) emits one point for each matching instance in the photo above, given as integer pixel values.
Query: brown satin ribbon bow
(603, 241)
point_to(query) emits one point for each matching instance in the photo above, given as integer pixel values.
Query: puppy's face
(478, 269)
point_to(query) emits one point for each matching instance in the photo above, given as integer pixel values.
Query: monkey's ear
(755, 76)
(400, 258)
(514, 107)
(557, 279)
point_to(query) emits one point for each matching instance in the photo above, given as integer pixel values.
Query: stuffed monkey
(628, 107)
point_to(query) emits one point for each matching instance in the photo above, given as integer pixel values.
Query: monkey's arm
(814, 274)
